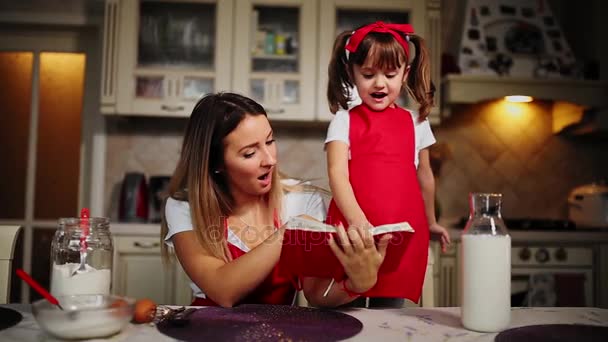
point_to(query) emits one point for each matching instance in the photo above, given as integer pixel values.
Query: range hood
(587, 101)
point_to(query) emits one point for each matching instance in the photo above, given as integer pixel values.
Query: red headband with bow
(379, 26)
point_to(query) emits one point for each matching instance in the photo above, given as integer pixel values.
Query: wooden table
(407, 324)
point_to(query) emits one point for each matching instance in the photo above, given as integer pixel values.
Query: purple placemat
(555, 333)
(9, 317)
(252, 322)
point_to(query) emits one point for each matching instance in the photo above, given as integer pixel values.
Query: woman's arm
(227, 283)
(427, 187)
(361, 259)
(342, 191)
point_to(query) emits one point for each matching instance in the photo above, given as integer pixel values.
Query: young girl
(377, 162)
(222, 214)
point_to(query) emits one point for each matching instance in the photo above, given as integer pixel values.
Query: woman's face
(250, 155)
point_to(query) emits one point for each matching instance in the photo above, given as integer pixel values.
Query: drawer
(137, 244)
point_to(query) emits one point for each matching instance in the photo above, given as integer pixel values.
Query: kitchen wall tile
(489, 151)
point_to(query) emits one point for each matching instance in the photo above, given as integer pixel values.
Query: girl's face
(378, 88)
(250, 155)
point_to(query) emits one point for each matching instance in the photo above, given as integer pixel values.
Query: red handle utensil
(31, 282)
(84, 225)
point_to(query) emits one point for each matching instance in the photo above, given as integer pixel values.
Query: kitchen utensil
(588, 206)
(85, 317)
(133, 202)
(34, 284)
(157, 187)
(84, 226)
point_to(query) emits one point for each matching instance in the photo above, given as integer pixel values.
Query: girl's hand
(359, 255)
(444, 236)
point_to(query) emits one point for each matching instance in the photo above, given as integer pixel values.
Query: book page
(305, 222)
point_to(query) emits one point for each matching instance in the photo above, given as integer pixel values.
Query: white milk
(91, 282)
(486, 282)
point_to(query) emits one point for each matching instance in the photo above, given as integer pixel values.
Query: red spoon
(31, 282)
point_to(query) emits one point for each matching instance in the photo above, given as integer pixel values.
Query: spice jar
(67, 277)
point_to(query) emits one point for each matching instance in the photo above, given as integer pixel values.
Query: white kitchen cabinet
(160, 57)
(446, 268)
(336, 16)
(275, 51)
(139, 272)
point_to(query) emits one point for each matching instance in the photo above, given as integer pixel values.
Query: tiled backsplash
(491, 150)
(510, 148)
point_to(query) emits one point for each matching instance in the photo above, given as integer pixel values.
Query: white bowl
(84, 316)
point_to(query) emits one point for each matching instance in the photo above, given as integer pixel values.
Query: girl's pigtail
(339, 82)
(419, 83)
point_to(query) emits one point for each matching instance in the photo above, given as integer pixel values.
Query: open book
(306, 251)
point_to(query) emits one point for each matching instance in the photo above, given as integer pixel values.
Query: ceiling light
(518, 98)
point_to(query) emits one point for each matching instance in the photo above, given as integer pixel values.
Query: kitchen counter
(517, 236)
(582, 236)
(534, 236)
(411, 324)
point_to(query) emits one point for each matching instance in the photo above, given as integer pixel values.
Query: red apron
(385, 183)
(275, 289)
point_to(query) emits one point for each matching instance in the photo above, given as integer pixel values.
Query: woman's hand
(359, 255)
(444, 236)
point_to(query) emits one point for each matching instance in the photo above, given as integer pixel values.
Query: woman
(222, 214)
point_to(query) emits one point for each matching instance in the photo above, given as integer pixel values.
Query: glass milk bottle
(485, 266)
(66, 277)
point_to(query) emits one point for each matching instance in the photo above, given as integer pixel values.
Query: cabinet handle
(146, 245)
(172, 108)
(275, 111)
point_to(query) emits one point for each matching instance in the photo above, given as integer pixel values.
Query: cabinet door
(167, 54)
(275, 55)
(138, 270)
(448, 284)
(336, 16)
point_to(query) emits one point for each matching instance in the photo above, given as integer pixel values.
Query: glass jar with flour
(81, 257)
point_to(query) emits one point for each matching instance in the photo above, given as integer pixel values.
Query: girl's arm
(342, 191)
(427, 187)
(361, 258)
(227, 283)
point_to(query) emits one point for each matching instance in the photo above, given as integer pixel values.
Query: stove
(530, 224)
(548, 273)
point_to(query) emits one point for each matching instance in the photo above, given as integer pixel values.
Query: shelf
(477, 88)
(292, 57)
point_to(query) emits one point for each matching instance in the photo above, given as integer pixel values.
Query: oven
(548, 275)
(544, 272)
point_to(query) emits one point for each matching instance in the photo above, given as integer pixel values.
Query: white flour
(91, 282)
(86, 324)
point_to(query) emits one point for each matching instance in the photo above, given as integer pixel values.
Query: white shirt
(295, 203)
(339, 128)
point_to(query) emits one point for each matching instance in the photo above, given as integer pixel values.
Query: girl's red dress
(385, 183)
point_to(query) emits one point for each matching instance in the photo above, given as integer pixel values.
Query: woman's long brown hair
(386, 53)
(195, 180)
